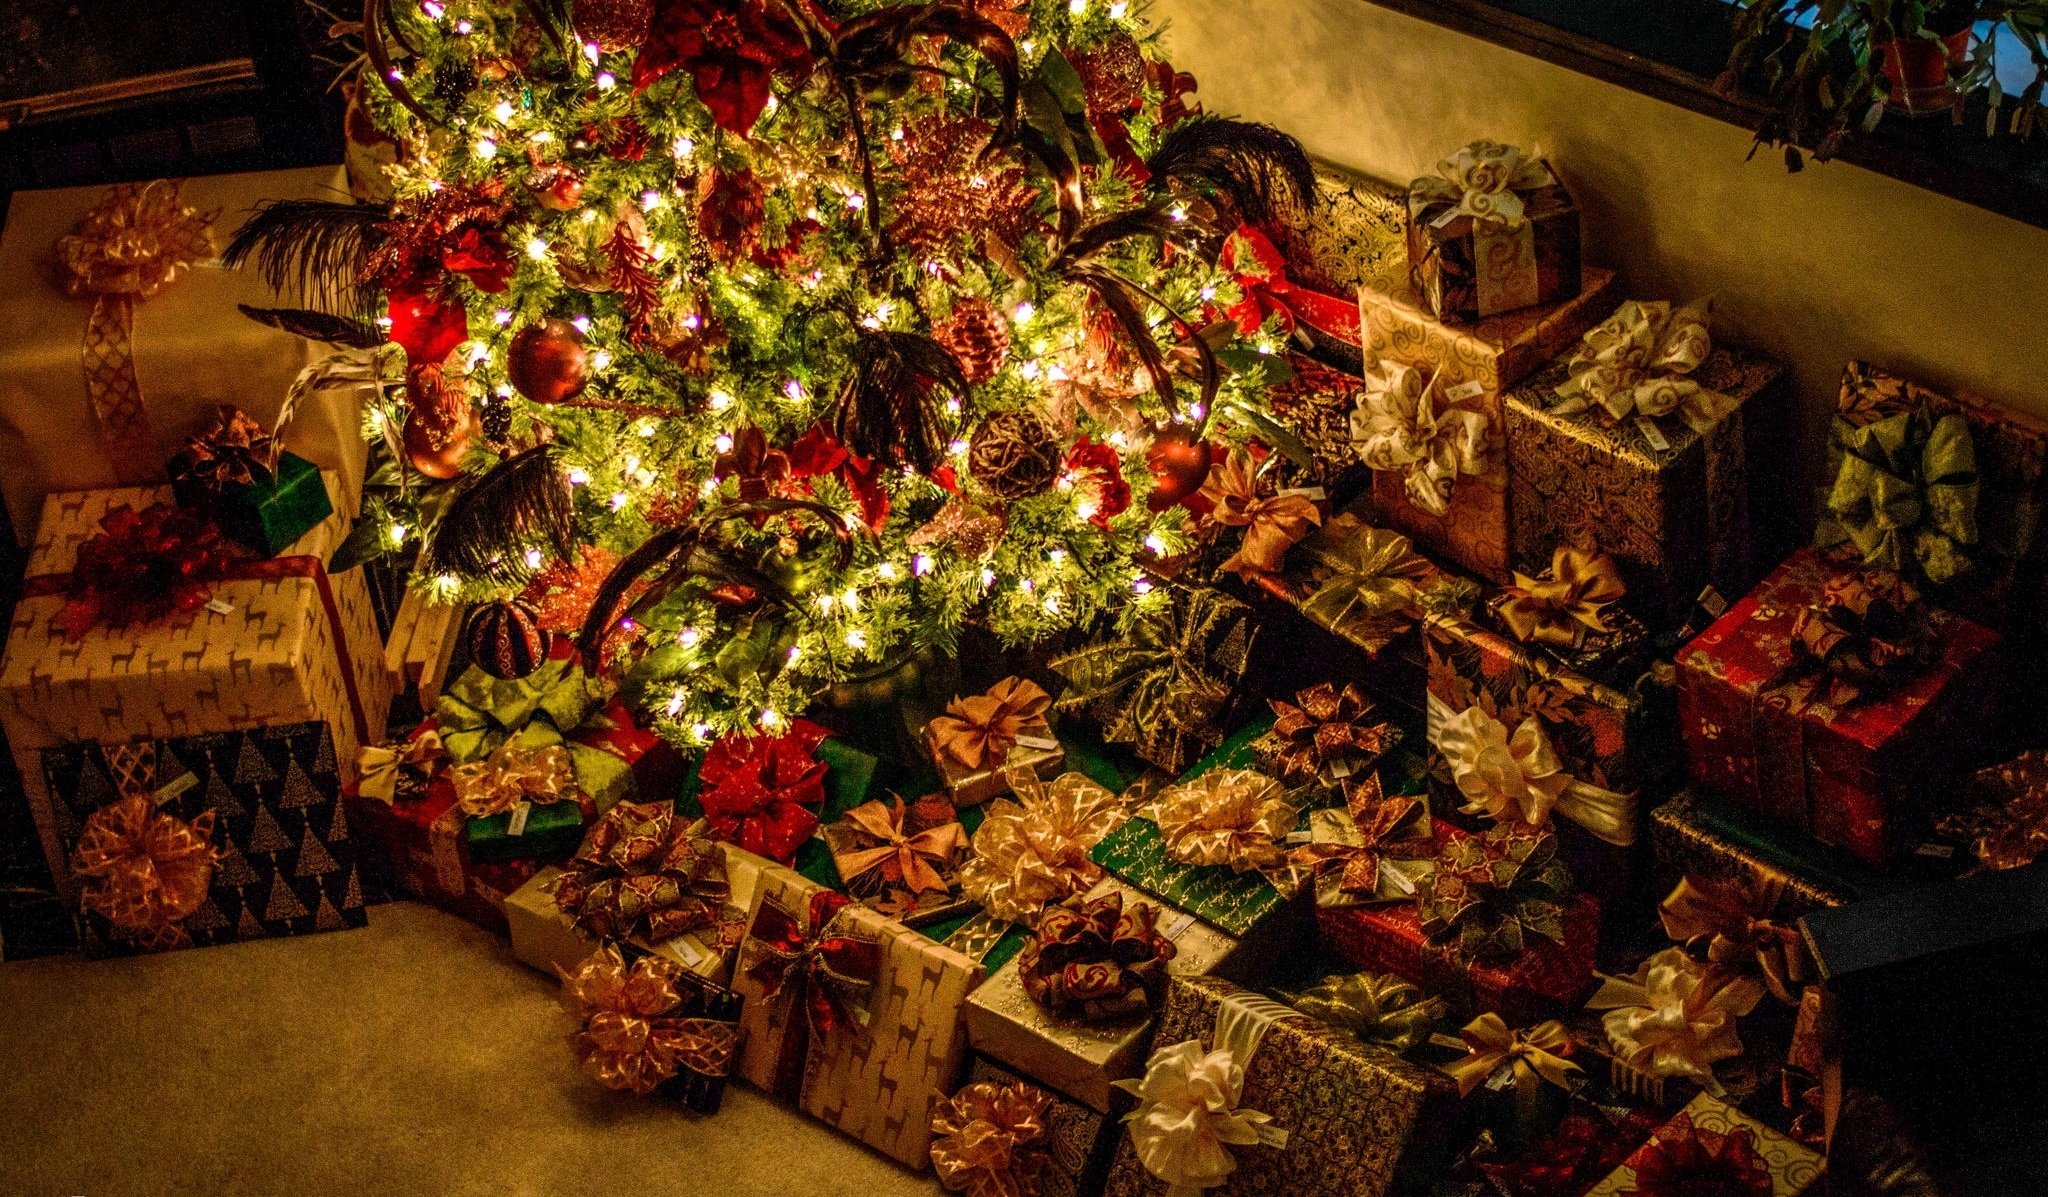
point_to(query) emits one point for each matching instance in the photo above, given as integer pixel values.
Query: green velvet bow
(1906, 494)
(478, 713)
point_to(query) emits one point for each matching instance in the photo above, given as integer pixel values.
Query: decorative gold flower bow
(2010, 828)
(873, 839)
(1403, 422)
(1234, 817)
(988, 1140)
(381, 765)
(1637, 362)
(641, 872)
(1511, 778)
(234, 450)
(1032, 850)
(978, 732)
(1675, 1016)
(1729, 924)
(1563, 606)
(1365, 581)
(1376, 1008)
(630, 1038)
(511, 775)
(1096, 960)
(1865, 633)
(1481, 181)
(1324, 734)
(1375, 849)
(1496, 1056)
(1491, 892)
(1188, 1117)
(1272, 523)
(143, 870)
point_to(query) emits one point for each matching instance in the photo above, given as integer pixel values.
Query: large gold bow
(1905, 495)
(1404, 422)
(511, 775)
(1188, 1117)
(988, 1140)
(1496, 1056)
(1637, 363)
(1675, 1016)
(381, 765)
(1365, 581)
(874, 838)
(1272, 523)
(1729, 923)
(1325, 734)
(1032, 850)
(1376, 1008)
(1563, 606)
(143, 870)
(1481, 181)
(979, 731)
(1233, 817)
(1518, 777)
(1376, 848)
(130, 246)
(629, 1037)
(1163, 685)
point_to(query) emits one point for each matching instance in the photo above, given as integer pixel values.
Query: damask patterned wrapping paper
(1490, 355)
(1360, 1120)
(1469, 270)
(545, 938)
(1074, 1057)
(285, 650)
(877, 1085)
(286, 860)
(1792, 1169)
(1670, 504)
(1861, 777)
(1078, 1139)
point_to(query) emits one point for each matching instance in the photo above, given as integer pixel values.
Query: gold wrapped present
(545, 937)
(982, 738)
(276, 641)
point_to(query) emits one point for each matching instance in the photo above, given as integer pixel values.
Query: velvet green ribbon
(478, 714)
(1906, 494)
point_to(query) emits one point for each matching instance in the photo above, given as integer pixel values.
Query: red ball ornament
(505, 639)
(555, 187)
(547, 362)
(436, 444)
(1179, 460)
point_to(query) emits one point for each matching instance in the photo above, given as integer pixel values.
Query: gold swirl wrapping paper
(879, 1085)
(192, 350)
(545, 938)
(1477, 363)
(270, 658)
(1795, 1170)
(1359, 1119)
(1077, 1058)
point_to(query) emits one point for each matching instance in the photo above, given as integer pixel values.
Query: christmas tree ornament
(963, 199)
(731, 204)
(1112, 75)
(453, 81)
(1179, 460)
(977, 336)
(1015, 454)
(547, 362)
(612, 25)
(496, 421)
(564, 589)
(436, 443)
(556, 187)
(496, 526)
(505, 639)
(960, 527)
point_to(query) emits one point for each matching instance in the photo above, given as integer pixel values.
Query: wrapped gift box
(1706, 1121)
(1698, 834)
(1358, 1120)
(285, 855)
(416, 848)
(1475, 363)
(421, 647)
(1077, 1138)
(282, 643)
(545, 938)
(1668, 502)
(1763, 733)
(192, 351)
(264, 515)
(972, 787)
(1354, 236)
(1469, 270)
(1081, 1058)
(877, 1083)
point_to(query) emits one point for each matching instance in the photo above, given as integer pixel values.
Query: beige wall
(1832, 263)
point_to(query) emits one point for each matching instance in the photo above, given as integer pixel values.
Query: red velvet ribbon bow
(761, 792)
(1261, 272)
(1687, 1161)
(811, 962)
(143, 566)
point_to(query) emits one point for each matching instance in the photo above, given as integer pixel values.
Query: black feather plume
(663, 551)
(1255, 170)
(345, 331)
(521, 502)
(891, 409)
(312, 250)
(1118, 299)
(873, 50)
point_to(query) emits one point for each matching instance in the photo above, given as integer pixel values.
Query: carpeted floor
(414, 1056)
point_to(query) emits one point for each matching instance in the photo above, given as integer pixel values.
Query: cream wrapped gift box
(288, 645)
(191, 351)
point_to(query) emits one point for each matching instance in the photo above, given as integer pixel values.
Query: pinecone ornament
(1015, 454)
(613, 24)
(977, 337)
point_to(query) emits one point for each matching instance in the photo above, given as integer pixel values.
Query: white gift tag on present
(1469, 389)
(692, 954)
(1652, 435)
(520, 810)
(1178, 925)
(1313, 494)
(1041, 743)
(1272, 1136)
(172, 789)
(220, 606)
(1302, 836)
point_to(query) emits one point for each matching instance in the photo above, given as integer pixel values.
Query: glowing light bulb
(503, 111)
(795, 651)
(988, 577)
(689, 637)
(920, 564)
(582, 324)
(1052, 604)
(1085, 510)
(857, 640)
(619, 500)
(722, 443)
(1208, 293)
(720, 400)
(683, 147)
(464, 27)
(1142, 585)
(1024, 312)
(1077, 7)
(1118, 9)
(1157, 544)
(675, 704)
(399, 533)
(606, 81)
(592, 51)
(886, 571)
(645, 428)
(536, 248)
(502, 316)
(578, 476)
(825, 602)
(856, 201)
(793, 391)
(533, 558)
(851, 598)
(650, 199)
(957, 448)
(486, 148)
(433, 9)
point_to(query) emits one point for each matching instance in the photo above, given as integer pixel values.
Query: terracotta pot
(1919, 73)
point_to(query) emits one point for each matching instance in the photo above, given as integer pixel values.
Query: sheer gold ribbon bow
(130, 246)
(1518, 776)
(1482, 181)
(381, 765)
(1563, 606)
(1637, 363)
(1189, 1114)
(879, 839)
(1366, 581)
(1272, 523)
(1032, 850)
(988, 1140)
(511, 775)
(979, 731)
(1675, 1016)
(1374, 1007)
(143, 870)
(1729, 923)
(628, 1038)
(1377, 848)
(1233, 817)
(1404, 422)
(1498, 1057)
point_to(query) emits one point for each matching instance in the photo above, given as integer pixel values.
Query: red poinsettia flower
(427, 325)
(732, 49)
(1098, 465)
(762, 792)
(817, 453)
(480, 255)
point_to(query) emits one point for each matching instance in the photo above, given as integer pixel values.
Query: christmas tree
(789, 336)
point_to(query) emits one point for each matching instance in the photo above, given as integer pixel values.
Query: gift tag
(1710, 599)
(1652, 435)
(1041, 743)
(172, 789)
(1934, 851)
(692, 953)
(220, 606)
(520, 810)
(1314, 494)
(1272, 1136)
(1471, 388)
(1301, 836)
(1178, 925)
(1450, 214)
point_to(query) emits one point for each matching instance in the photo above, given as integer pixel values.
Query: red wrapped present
(1802, 704)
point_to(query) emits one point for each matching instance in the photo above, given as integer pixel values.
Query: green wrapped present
(557, 704)
(548, 832)
(239, 474)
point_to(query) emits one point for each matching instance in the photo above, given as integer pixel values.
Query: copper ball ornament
(435, 444)
(547, 362)
(1179, 460)
(505, 639)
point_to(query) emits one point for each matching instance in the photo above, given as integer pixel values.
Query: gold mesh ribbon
(1561, 607)
(1233, 817)
(628, 1038)
(978, 732)
(1366, 581)
(874, 836)
(130, 246)
(988, 1140)
(1675, 1017)
(512, 775)
(1032, 850)
(143, 870)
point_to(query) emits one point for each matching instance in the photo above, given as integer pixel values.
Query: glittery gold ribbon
(1366, 581)
(144, 870)
(876, 837)
(628, 1038)
(1032, 850)
(1272, 523)
(988, 1140)
(1530, 1057)
(978, 732)
(1517, 775)
(1230, 817)
(1562, 606)
(511, 775)
(1325, 733)
(1376, 848)
(1675, 1017)
(1376, 1008)
(130, 246)
(1403, 422)
(1637, 363)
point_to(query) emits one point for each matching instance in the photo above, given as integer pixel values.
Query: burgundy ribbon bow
(806, 960)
